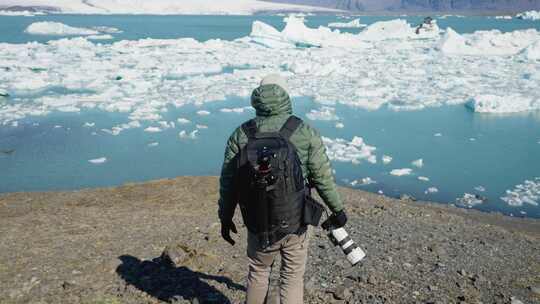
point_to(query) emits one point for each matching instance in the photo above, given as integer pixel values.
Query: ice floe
(419, 163)
(324, 113)
(183, 121)
(353, 151)
(184, 134)
(401, 172)
(386, 159)
(423, 178)
(362, 182)
(203, 113)
(431, 190)
(437, 134)
(529, 15)
(97, 161)
(153, 144)
(351, 24)
(201, 127)
(235, 110)
(57, 28)
(470, 200)
(526, 193)
(503, 104)
(153, 130)
(89, 124)
(480, 188)
(339, 125)
(116, 130)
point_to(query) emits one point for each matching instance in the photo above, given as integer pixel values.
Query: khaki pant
(293, 251)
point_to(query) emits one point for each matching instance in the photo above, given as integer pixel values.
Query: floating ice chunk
(116, 130)
(57, 29)
(431, 190)
(166, 125)
(234, 110)
(529, 15)
(100, 37)
(184, 135)
(480, 188)
(89, 124)
(183, 121)
(526, 193)
(354, 151)
(153, 129)
(483, 43)
(437, 134)
(504, 17)
(57, 127)
(470, 200)
(503, 104)
(396, 29)
(107, 29)
(203, 113)
(363, 182)
(423, 178)
(419, 163)
(380, 192)
(386, 159)
(153, 144)
(340, 125)
(191, 69)
(351, 24)
(200, 127)
(3, 93)
(401, 172)
(15, 124)
(324, 113)
(96, 161)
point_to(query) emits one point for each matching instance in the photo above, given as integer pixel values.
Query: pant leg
(260, 266)
(293, 265)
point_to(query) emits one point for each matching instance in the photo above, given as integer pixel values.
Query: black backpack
(270, 185)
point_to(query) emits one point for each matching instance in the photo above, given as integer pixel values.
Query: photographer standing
(268, 162)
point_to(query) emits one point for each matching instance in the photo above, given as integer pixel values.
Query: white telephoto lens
(356, 256)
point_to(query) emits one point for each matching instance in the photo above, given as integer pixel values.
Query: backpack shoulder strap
(290, 126)
(250, 128)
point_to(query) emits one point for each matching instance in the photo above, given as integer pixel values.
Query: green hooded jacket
(273, 107)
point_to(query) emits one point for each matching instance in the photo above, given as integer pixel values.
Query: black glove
(226, 228)
(336, 220)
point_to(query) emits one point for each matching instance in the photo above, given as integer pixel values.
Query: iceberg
(431, 190)
(325, 113)
(354, 151)
(529, 15)
(396, 29)
(526, 193)
(503, 104)
(419, 163)
(351, 24)
(363, 182)
(203, 113)
(57, 29)
(423, 178)
(97, 161)
(386, 159)
(470, 200)
(152, 130)
(483, 43)
(401, 172)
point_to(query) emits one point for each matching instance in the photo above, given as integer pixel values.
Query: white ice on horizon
(353, 151)
(20, 13)
(351, 24)
(133, 76)
(526, 193)
(166, 7)
(401, 172)
(97, 161)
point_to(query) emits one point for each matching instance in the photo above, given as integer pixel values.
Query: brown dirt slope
(105, 246)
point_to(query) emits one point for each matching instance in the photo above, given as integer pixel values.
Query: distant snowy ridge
(163, 7)
(529, 15)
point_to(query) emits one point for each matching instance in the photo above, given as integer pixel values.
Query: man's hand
(336, 220)
(226, 228)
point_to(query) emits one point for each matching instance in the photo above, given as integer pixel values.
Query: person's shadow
(162, 280)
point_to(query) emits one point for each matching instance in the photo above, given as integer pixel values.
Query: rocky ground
(107, 246)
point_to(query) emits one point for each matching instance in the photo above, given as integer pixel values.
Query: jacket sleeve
(320, 172)
(227, 203)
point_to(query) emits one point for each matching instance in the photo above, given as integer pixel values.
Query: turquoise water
(51, 152)
(204, 28)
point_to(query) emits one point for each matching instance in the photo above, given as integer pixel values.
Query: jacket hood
(271, 99)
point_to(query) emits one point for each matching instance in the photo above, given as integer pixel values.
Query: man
(274, 110)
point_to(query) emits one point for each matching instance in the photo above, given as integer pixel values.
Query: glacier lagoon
(144, 118)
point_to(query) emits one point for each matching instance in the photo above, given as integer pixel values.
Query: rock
(342, 293)
(535, 289)
(174, 255)
(462, 272)
(514, 300)
(407, 265)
